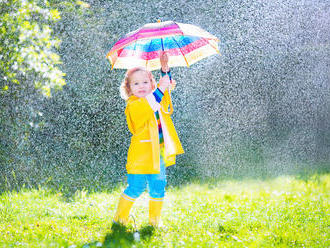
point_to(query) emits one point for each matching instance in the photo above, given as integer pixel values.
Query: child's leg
(155, 208)
(136, 186)
(156, 183)
(124, 207)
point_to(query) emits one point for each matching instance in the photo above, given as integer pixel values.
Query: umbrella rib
(181, 51)
(215, 48)
(147, 52)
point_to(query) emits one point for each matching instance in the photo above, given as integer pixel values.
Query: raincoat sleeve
(138, 113)
(154, 99)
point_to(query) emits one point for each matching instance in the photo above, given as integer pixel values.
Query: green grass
(281, 212)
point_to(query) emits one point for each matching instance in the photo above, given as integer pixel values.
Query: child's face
(140, 84)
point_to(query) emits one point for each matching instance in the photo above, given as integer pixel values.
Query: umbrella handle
(169, 93)
(170, 76)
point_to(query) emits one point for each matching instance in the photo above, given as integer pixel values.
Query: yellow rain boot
(155, 207)
(124, 207)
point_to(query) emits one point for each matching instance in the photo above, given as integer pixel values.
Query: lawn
(278, 212)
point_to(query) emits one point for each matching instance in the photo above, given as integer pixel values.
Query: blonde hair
(125, 90)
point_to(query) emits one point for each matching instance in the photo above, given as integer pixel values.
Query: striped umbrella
(184, 43)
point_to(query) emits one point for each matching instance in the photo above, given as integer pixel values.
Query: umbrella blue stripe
(156, 45)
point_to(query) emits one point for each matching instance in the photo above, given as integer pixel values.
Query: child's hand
(164, 61)
(164, 83)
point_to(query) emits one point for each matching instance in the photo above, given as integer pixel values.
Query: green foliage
(27, 46)
(282, 212)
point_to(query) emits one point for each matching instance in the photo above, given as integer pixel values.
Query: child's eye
(145, 82)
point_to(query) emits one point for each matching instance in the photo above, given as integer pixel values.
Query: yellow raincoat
(144, 153)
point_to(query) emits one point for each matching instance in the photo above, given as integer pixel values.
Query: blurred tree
(29, 68)
(27, 44)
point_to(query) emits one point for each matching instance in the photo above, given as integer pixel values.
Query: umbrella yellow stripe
(200, 54)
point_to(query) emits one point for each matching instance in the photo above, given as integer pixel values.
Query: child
(154, 142)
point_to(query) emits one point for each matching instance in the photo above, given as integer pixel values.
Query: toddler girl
(154, 142)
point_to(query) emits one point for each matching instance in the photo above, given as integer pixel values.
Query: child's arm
(164, 63)
(165, 69)
(164, 83)
(155, 97)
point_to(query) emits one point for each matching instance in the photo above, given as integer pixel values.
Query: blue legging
(137, 183)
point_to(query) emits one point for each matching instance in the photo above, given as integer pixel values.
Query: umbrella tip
(159, 21)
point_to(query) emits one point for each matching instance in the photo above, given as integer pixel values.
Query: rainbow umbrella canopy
(185, 44)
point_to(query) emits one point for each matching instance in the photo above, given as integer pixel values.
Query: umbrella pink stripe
(146, 34)
(172, 52)
(158, 34)
(194, 45)
(148, 30)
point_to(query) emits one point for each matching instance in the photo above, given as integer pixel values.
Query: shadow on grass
(120, 236)
(124, 237)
